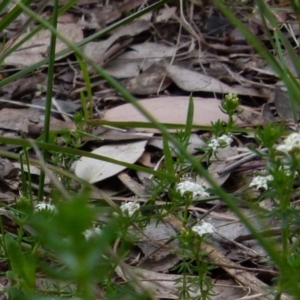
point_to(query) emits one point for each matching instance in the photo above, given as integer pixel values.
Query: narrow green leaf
(189, 120)
(86, 102)
(49, 94)
(3, 5)
(168, 156)
(12, 15)
(22, 266)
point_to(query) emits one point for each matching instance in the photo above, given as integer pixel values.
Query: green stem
(49, 96)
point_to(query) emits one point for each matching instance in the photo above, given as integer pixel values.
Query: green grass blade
(12, 15)
(3, 5)
(22, 266)
(189, 119)
(292, 84)
(86, 102)
(49, 95)
(168, 156)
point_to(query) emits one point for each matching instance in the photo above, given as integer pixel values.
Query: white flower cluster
(197, 190)
(290, 144)
(45, 206)
(204, 228)
(221, 141)
(92, 233)
(261, 181)
(129, 208)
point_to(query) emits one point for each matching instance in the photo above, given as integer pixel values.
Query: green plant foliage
(77, 244)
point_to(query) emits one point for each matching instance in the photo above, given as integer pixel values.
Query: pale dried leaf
(33, 170)
(223, 154)
(196, 82)
(7, 169)
(216, 167)
(23, 86)
(164, 265)
(95, 50)
(283, 105)
(267, 113)
(140, 58)
(170, 110)
(194, 142)
(149, 82)
(163, 285)
(250, 116)
(36, 48)
(160, 232)
(94, 170)
(288, 64)
(145, 160)
(26, 119)
(135, 187)
(165, 14)
(233, 230)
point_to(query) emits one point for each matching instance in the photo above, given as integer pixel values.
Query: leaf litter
(161, 73)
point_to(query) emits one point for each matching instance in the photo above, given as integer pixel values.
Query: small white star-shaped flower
(197, 190)
(221, 141)
(261, 181)
(204, 228)
(225, 139)
(290, 144)
(92, 233)
(45, 206)
(129, 208)
(214, 144)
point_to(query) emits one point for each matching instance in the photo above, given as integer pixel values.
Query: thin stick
(240, 162)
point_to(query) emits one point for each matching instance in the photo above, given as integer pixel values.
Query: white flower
(129, 208)
(192, 187)
(291, 143)
(204, 228)
(221, 141)
(214, 145)
(225, 139)
(261, 181)
(91, 233)
(45, 206)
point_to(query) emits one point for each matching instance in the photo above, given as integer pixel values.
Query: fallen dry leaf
(95, 50)
(7, 169)
(164, 285)
(156, 231)
(139, 58)
(283, 105)
(26, 120)
(170, 110)
(193, 81)
(145, 160)
(22, 87)
(36, 48)
(94, 170)
(194, 142)
(152, 81)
